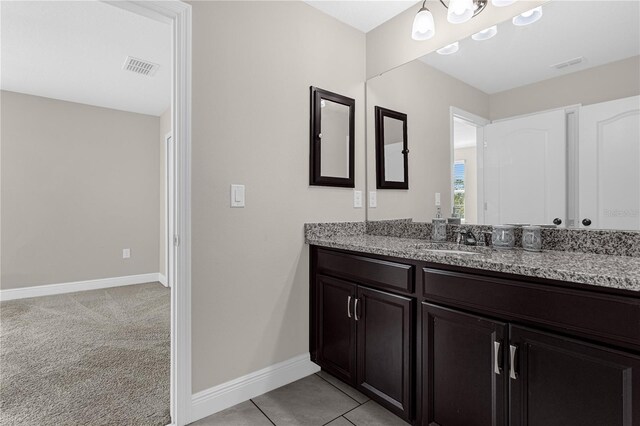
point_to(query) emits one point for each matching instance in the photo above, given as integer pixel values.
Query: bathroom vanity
(518, 130)
(483, 337)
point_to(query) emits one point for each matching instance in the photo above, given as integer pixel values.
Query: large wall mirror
(332, 139)
(536, 124)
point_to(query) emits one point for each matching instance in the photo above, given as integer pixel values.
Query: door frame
(169, 200)
(178, 15)
(479, 123)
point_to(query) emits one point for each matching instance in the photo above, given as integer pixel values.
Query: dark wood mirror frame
(381, 182)
(316, 178)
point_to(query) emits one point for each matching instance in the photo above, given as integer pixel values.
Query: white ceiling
(600, 31)
(74, 51)
(363, 15)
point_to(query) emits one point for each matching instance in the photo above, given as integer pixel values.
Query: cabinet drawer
(606, 317)
(375, 272)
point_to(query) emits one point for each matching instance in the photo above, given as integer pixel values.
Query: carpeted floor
(94, 358)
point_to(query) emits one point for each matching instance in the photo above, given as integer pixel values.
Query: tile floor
(317, 400)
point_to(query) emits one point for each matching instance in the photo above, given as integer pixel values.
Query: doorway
(178, 15)
(467, 166)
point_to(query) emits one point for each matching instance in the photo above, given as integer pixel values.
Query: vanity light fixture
(502, 3)
(485, 34)
(528, 17)
(460, 11)
(449, 49)
(423, 26)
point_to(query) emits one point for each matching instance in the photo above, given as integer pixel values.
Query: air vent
(140, 66)
(569, 63)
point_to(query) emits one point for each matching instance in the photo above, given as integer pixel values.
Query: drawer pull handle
(349, 307)
(512, 366)
(496, 364)
(355, 310)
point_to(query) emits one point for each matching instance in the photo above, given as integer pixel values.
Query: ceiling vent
(140, 66)
(569, 63)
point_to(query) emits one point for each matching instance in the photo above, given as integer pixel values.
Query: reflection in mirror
(538, 124)
(465, 170)
(391, 149)
(334, 127)
(332, 139)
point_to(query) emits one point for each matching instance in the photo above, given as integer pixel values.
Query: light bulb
(449, 49)
(528, 17)
(423, 26)
(460, 11)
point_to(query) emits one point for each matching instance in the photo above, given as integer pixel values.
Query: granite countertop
(619, 272)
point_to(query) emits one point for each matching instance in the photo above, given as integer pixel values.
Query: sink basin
(451, 248)
(446, 251)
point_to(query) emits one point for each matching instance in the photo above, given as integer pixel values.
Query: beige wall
(390, 44)
(79, 184)
(253, 63)
(616, 80)
(425, 95)
(165, 127)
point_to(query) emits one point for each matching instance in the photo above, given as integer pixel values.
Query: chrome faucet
(467, 238)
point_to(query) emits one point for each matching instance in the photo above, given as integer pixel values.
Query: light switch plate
(126, 253)
(357, 199)
(237, 195)
(373, 199)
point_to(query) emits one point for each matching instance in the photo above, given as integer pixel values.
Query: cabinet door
(563, 382)
(463, 357)
(385, 348)
(336, 327)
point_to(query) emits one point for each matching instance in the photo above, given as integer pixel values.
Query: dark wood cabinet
(336, 327)
(454, 346)
(366, 338)
(558, 381)
(463, 367)
(477, 374)
(385, 347)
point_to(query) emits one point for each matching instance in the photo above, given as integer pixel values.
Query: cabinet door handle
(496, 364)
(349, 307)
(355, 310)
(512, 365)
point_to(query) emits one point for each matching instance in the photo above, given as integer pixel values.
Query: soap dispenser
(439, 227)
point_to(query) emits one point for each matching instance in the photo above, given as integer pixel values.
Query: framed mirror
(332, 139)
(392, 162)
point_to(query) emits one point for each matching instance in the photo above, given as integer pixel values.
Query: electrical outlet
(357, 199)
(126, 253)
(373, 199)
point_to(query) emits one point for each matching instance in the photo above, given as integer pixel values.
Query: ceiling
(599, 31)
(363, 15)
(74, 51)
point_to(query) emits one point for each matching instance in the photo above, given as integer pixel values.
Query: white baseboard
(51, 289)
(217, 398)
(163, 279)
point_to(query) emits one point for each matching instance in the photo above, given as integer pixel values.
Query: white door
(525, 169)
(609, 165)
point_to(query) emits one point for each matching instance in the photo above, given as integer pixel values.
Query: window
(458, 188)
